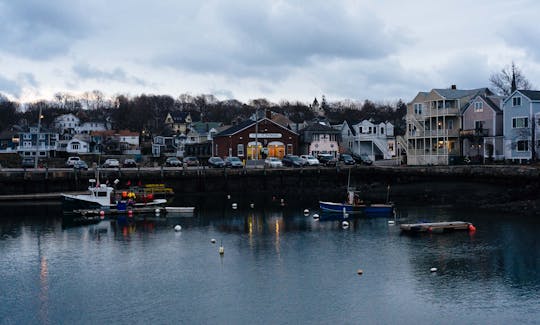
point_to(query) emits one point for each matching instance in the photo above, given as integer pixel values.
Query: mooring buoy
(213, 241)
(345, 224)
(433, 269)
(315, 216)
(306, 211)
(177, 228)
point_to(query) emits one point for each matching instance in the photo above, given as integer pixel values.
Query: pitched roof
(318, 127)
(460, 93)
(245, 124)
(531, 94)
(179, 116)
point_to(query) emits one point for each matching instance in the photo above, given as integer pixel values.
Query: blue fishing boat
(354, 204)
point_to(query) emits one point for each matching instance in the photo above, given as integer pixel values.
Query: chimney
(453, 87)
(268, 114)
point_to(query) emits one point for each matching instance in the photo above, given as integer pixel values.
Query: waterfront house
(37, 141)
(521, 111)
(66, 125)
(481, 133)
(255, 140)
(318, 137)
(76, 145)
(9, 139)
(115, 142)
(433, 125)
(178, 121)
(89, 127)
(377, 140)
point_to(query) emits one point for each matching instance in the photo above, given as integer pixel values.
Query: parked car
(173, 162)
(28, 162)
(111, 163)
(327, 159)
(363, 159)
(347, 159)
(216, 162)
(273, 162)
(71, 161)
(129, 163)
(81, 164)
(191, 161)
(310, 160)
(292, 161)
(233, 162)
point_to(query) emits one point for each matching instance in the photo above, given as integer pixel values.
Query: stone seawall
(486, 186)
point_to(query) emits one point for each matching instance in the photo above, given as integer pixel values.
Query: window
(520, 122)
(478, 106)
(240, 150)
(27, 136)
(523, 145)
(516, 101)
(75, 146)
(289, 149)
(417, 108)
(382, 130)
(450, 124)
(478, 125)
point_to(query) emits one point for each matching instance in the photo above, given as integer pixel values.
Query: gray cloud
(266, 39)
(85, 71)
(40, 30)
(10, 87)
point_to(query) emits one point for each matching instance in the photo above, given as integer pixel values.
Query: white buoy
(252, 205)
(315, 216)
(177, 228)
(433, 269)
(391, 222)
(228, 196)
(213, 241)
(157, 211)
(306, 211)
(234, 205)
(345, 224)
(221, 250)
(360, 271)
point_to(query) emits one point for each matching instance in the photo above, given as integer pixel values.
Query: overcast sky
(246, 49)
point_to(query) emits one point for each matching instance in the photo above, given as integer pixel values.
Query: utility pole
(37, 138)
(257, 131)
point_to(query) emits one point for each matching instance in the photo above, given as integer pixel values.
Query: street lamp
(37, 138)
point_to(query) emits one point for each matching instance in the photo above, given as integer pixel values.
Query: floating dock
(437, 227)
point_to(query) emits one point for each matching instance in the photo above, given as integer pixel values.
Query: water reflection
(306, 259)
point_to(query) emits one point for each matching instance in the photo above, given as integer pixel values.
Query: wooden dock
(437, 227)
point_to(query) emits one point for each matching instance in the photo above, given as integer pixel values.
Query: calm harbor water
(279, 267)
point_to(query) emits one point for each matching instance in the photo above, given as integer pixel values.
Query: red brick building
(256, 140)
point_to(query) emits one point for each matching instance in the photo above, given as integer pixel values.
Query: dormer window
(516, 101)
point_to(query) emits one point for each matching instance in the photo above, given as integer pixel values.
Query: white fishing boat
(104, 197)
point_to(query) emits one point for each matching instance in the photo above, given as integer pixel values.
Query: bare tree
(508, 80)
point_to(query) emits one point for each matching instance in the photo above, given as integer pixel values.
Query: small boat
(104, 197)
(368, 209)
(353, 204)
(437, 227)
(179, 209)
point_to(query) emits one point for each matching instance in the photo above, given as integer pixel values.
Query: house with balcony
(66, 125)
(482, 128)
(433, 125)
(521, 117)
(377, 140)
(37, 141)
(9, 139)
(89, 127)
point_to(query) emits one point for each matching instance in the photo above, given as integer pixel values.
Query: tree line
(148, 112)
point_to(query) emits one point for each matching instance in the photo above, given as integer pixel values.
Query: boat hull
(72, 203)
(368, 209)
